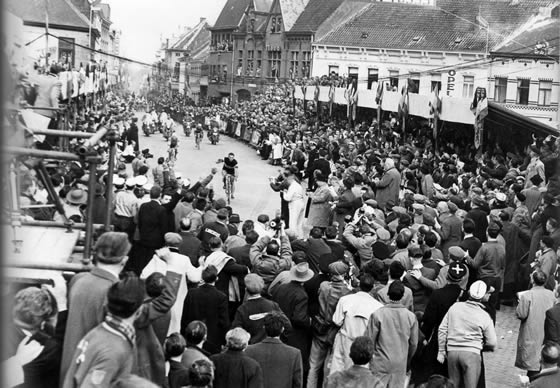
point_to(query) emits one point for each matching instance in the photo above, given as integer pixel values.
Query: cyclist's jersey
(229, 166)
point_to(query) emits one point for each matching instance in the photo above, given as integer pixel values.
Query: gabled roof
(291, 9)
(186, 40)
(450, 26)
(231, 14)
(61, 12)
(345, 11)
(314, 14)
(202, 53)
(545, 34)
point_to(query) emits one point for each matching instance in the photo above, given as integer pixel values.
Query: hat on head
(234, 219)
(338, 268)
(148, 186)
(478, 289)
(456, 271)
(141, 180)
(220, 203)
(399, 210)
(417, 206)
(130, 182)
(478, 201)
(77, 197)
(254, 283)
(428, 219)
(118, 181)
(173, 239)
(438, 187)
(501, 197)
(452, 207)
(456, 253)
(419, 198)
(300, 273)
(383, 234)
(223, 214)
(371, 202)
(178, 175)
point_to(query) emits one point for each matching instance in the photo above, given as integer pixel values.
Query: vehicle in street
(214, 136)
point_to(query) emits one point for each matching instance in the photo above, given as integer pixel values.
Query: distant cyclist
(230, 168)
(198, 133)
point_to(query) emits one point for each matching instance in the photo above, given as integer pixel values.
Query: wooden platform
(39, 245)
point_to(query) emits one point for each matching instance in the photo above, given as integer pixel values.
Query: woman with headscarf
(296, 206)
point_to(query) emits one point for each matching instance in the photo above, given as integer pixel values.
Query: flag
(316, 98)
(348, 97)
(354, 104)
(483, 23)
(303, 90)
(379, 95)
(479, 107)
(331, 98)
(403, 103)
(435, 103)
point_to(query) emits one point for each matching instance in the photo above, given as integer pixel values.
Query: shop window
(394, 79)
(353, 74)
(333, 70)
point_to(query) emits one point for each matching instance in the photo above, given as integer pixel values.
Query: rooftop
(231, 14)
(190, 36)
(315, 13)
(452, 25)
(291, 10)
(61, 12)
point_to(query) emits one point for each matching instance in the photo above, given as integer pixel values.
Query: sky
(144, 22)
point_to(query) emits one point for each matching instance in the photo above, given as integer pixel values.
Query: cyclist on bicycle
(230, 168)
(198, 133)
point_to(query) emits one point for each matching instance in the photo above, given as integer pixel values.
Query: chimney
(167, 43)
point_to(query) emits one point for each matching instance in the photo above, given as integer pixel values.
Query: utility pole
(46, 34)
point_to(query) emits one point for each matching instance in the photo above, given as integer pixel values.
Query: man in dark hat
(479, 216)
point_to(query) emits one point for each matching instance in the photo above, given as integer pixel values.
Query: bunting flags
(331, 98)
(403, 103)
(435, 109)
(479, 107)
(351, 96)
(354, 104)
(379, 95)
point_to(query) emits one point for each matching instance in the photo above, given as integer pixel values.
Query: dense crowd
(385, 267)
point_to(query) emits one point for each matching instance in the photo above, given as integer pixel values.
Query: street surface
(253, 196)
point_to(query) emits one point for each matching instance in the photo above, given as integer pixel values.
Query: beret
(452, 207)
(418, 206)
(399, 210)
(254, 283)
(223, 213)
(428, 219)
(419, 198)
(457, 271)
(338, 268)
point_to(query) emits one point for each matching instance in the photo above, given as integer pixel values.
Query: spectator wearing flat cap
(250, 315)
(323, 329)
(87, 292)
(439, 303)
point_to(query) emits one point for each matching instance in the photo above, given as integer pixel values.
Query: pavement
(254, 196)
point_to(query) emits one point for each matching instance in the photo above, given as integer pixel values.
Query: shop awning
(508, 118)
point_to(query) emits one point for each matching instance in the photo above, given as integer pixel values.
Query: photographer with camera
(276, 258)
(360, 233)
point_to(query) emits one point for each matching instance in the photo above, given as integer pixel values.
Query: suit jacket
(451, 232)
(190, 246)
(552, 324)
(87, 293)
(235, 369)
(440, 301)
(241, 255)
(281, 364)
(178, 375)
(546, 379)
(480, 218)
(152, 224)
(209, 305)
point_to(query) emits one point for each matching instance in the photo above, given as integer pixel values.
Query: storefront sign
(450, 81)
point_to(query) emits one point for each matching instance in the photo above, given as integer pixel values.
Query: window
(273, 25)
(333, 70)
(177, 54)
(66, 51)
(250, 63)
(394, 79)
(523, 91)
(468, 86)
(373, 76)
(306, 64)
(279, 24)
(500, 89)
(258, 68)
(436, 82)
(353, 73)
(176, 71)
(274, 59)
(414, 83)
(545, 92)
(293, 65)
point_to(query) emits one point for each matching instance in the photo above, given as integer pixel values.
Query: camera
(276, 223)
